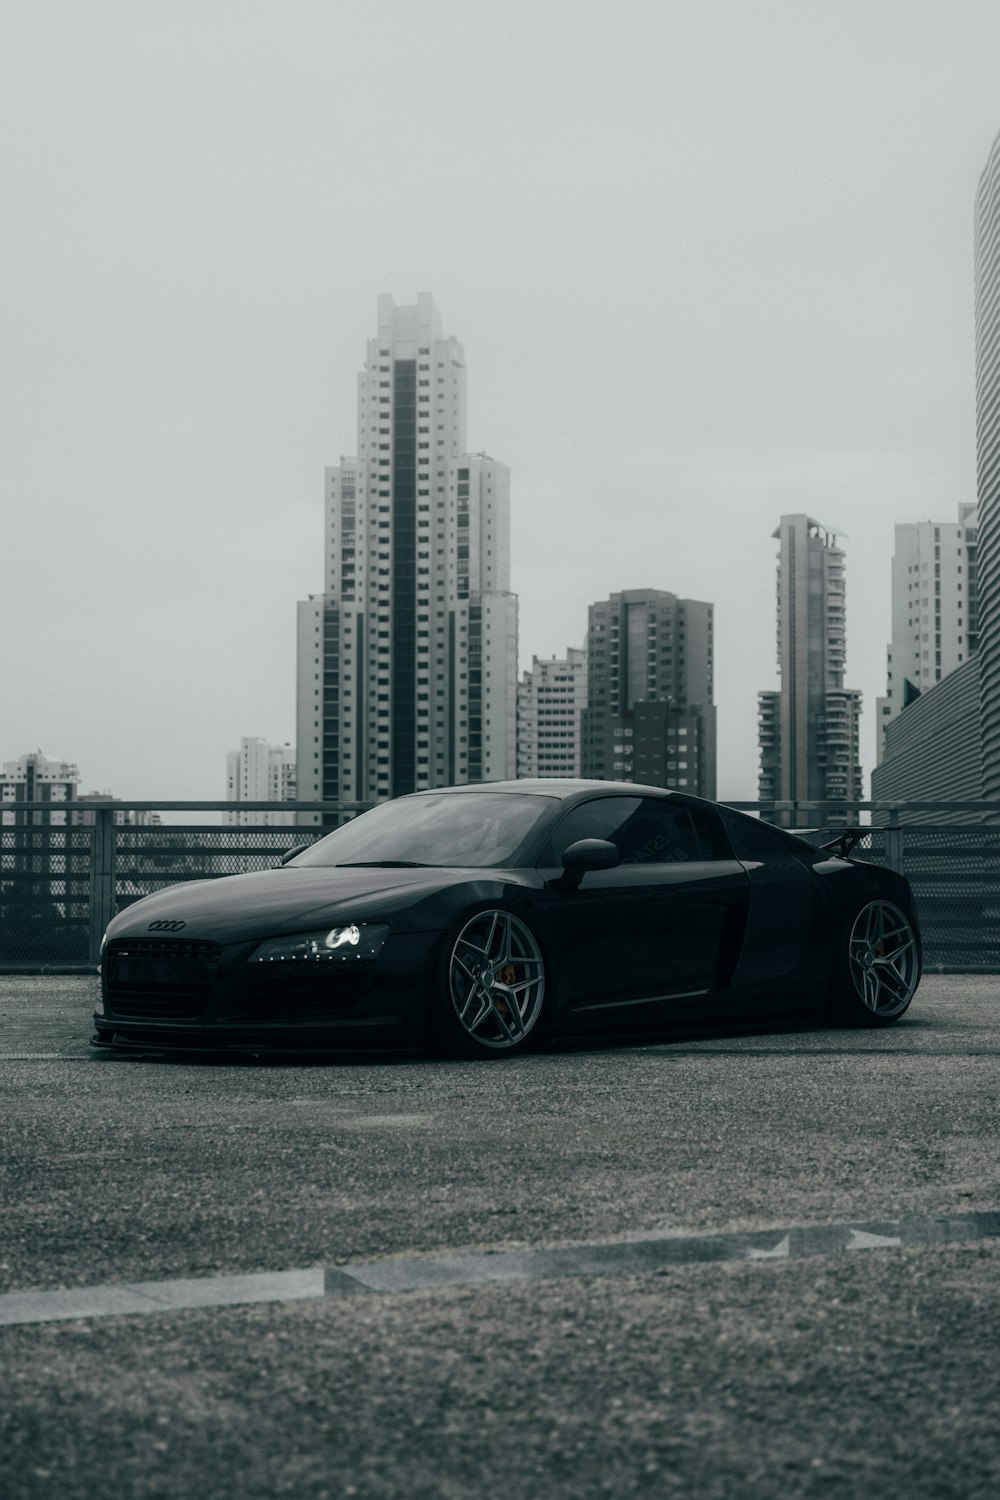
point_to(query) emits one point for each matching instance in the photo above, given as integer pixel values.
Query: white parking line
(158, 1296)
(428, 1273)
(780, 1251)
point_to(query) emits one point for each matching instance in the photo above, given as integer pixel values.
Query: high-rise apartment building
(260, 772)
(407, 663)
(808, 729)
(550, 699)
(650, 716)
(35, 778)
(987, 263)
(935, 610)
(36, 848)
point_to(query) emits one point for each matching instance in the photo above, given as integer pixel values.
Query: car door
(781, 948)
(667, 922)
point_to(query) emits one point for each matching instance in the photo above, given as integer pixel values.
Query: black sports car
(486, 918)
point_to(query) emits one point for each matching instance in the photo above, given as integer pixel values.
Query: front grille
(296, 992)
(158, 979)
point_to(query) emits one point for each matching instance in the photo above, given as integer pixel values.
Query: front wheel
(492, 998)
(877, 967)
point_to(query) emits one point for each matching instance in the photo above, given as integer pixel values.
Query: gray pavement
(819, 1371)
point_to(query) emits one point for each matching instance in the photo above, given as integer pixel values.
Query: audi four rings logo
(166, 926)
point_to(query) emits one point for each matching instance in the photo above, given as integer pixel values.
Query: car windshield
(482, 830)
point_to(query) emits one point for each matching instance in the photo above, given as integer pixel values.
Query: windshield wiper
(385, 864)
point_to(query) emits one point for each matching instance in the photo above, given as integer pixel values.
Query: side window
(604, 818)
(753, 839)
(644, 830)
(671, 831)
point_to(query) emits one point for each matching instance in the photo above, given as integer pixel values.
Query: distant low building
(260, 772)
(121, 817)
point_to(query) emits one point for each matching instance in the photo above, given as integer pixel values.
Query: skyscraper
(934, 610)
(650, 716)
(407, 663)
(550, 699)
(259, 772)
(808, 729)
(987, 261)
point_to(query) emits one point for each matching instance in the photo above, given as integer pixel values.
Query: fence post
(102, 878)
(894, 842)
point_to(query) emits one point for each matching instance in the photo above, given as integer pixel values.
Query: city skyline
(695, 298)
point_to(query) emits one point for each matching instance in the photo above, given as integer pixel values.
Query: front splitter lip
(371, 1034)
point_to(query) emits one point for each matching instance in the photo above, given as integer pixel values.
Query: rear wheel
(877, 968)
(492, 999)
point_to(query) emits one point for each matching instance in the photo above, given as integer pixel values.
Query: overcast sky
(711, 261)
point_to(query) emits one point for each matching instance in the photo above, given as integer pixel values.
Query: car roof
(558, 787)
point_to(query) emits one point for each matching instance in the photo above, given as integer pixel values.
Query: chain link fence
(45, 894)
(954, 873)
(148, 859)
(60, 884)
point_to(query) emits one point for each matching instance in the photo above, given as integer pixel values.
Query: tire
(490, 1000)
(876, 966)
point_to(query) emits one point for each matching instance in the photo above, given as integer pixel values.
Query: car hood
(270, 903)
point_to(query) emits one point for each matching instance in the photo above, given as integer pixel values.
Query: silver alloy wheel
(496, 978)
(883, 959)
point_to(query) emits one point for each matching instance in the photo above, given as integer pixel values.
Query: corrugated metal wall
(933, 749)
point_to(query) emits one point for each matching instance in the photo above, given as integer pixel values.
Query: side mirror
(585, 855)
(291, 853)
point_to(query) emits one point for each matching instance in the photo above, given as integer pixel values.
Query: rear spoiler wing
(846, 842)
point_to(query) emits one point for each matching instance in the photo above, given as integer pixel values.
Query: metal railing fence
(61, 882)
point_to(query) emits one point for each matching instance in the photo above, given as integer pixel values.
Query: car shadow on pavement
(664, 1036)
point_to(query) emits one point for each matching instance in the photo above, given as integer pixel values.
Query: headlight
(99, 1001)
(336, 944)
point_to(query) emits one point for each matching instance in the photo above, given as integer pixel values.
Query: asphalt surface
(849, 1355)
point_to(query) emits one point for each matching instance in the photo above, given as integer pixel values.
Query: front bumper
(193, 994)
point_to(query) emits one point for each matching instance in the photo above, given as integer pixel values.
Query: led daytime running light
(337, 944)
